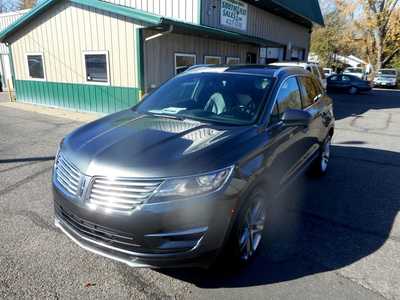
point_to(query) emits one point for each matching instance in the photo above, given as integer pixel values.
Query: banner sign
(234, 14)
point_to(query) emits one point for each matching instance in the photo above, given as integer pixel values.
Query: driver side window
(288, 96)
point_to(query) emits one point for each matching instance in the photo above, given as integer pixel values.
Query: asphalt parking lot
(345, 242)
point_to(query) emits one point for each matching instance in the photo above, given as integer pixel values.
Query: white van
(314, 68)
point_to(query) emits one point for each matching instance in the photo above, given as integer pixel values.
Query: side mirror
(296, 117)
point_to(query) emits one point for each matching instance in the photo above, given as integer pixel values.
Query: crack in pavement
(24, 181)
(36, 218)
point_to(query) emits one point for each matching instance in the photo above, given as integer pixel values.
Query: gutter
(170, 30)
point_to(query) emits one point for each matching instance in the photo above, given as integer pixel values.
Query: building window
(232, 60)
(298, 54)
(96, 66)
(35, 66)
(212, 60)
(183, 62)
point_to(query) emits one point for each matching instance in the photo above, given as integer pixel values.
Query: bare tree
(377, 24)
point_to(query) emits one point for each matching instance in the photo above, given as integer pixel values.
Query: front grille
(67, 175)
(96, 232)
(121, 194)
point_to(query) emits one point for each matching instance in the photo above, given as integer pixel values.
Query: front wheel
(320, 165)
(248, 231)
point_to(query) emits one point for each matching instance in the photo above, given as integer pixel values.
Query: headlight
(177, 188)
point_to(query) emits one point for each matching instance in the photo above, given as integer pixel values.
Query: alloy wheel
(252, 230)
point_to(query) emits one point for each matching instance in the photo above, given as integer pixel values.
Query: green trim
(37, 10)
(78, 97)
(10, 55)
(140, 59)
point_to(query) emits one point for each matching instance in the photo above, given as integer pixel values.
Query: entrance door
(251, 58)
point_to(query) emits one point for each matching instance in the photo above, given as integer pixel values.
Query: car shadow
(356, 105)
(321, 224)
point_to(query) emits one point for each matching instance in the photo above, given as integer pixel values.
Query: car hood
(129, 144)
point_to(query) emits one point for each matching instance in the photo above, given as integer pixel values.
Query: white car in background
(387, 78)
(314, 68)
(358, 72)
(328, 72)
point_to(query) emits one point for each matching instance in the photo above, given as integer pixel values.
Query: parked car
(387, 78)
(314, 68)
(191, 172)
(328, 72)
(348, 83)
(357, 72)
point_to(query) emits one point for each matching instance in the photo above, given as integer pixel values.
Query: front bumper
(385, 84)
(174, 234)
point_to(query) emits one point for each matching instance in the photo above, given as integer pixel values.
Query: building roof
(309, 9)
(304, 12)
(294, 9)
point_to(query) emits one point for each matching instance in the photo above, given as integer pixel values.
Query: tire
(353, 90)
(320, 166)
(248, 231)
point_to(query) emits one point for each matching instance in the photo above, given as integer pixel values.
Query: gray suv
(188, 174)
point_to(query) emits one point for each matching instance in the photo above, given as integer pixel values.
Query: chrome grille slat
(70, 166)
(71, 188)
(127, 183)
(67, 175)
(114, 199)
(121, 194)
(122, 189)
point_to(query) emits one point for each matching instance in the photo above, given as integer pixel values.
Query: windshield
(354, 70)
(228, 98)
(387, 72)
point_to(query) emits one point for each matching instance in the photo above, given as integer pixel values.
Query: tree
(378, 24)
(336, 37)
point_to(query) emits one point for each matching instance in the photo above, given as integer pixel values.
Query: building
(93, 55)
(5, 62)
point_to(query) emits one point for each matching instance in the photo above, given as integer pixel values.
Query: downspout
(140, 61)
(10, 54)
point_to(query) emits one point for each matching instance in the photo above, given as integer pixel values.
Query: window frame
(303, 90)
(237, 58)
(213, 56)
(176, 54)
(101, 52)
(274, 102)
(43, 65)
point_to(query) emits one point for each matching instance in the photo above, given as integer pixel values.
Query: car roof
(267, 70)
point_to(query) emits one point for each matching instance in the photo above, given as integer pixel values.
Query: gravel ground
(345, 244)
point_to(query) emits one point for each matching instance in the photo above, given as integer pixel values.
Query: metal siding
(261, 24)
(65, 31)
(159, 53)
(182, 10)
(61, 94)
